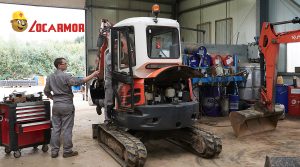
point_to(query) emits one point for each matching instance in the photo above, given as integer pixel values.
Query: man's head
(60, 63)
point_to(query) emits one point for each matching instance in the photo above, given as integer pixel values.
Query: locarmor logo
(19, 21)
(19, 24)
(60, 27)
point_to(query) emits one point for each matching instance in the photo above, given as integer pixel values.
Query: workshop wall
(243, 13)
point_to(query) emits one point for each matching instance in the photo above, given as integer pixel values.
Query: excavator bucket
(251, 121)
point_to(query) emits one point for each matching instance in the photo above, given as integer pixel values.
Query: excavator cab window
(126, 48)
(162, 42)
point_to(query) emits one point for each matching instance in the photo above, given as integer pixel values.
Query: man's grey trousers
(62, 125)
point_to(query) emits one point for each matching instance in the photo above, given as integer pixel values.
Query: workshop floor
(248, 151)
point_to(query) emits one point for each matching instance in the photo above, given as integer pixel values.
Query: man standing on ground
(58, 88)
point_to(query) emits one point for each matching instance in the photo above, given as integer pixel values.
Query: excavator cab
(265, 114)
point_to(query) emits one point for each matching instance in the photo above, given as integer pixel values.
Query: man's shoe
(71, 154)
(54, 155)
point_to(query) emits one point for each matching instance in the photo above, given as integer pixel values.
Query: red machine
(24, 125)
(294, 101)
(265, 116)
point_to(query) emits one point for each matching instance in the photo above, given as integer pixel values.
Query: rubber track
(134, 151)
(213, 143)
(204, 143)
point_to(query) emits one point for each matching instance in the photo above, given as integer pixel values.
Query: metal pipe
(193, 29)
(155, 2)
(125, 9)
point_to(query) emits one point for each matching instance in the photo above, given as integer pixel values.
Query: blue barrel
(194, 60)
(205, 61)
(234, 102)
(211, 101)
(282, 96)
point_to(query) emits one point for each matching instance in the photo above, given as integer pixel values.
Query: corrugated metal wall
(243, 13)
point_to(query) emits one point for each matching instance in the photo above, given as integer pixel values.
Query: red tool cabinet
(294, 101)
(25, 125)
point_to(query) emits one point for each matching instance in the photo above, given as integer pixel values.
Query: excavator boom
(265, 114)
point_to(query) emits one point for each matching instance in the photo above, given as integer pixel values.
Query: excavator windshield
(163, 42)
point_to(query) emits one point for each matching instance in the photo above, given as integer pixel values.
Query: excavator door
(123, 59)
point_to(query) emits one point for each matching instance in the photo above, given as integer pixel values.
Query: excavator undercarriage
(127, 148)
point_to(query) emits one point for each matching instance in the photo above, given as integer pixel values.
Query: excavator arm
(96, 89)
(265, 114)
(269, 42)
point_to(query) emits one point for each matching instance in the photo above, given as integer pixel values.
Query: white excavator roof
(147, 21)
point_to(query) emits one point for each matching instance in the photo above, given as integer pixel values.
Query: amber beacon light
(155, 11)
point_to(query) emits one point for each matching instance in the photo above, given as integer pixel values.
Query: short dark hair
(58, 61)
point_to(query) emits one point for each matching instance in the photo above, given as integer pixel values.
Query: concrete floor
(248, 151)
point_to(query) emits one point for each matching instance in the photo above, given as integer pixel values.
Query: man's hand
(95, 73)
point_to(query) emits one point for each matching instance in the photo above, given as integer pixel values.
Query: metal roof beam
(125, 9)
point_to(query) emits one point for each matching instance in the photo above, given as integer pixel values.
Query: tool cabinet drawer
(35, 126)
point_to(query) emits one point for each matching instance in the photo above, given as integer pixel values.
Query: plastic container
(227, 60)
(282, 96)
(234, 102)
(194, 61)
(211, 101)
(216, 60)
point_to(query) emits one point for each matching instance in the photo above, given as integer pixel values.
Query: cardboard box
(297, 69)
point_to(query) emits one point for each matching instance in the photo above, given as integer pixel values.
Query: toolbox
(25, 125)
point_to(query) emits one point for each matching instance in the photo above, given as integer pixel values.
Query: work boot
(70, 154)
(54, 155)
(98, 110)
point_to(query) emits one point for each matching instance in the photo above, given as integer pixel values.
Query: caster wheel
(45, 148)
(17, 154)
(7, 150)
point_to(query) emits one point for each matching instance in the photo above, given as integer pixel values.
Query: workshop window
(293, 56)
(204, 37)
(223, 31)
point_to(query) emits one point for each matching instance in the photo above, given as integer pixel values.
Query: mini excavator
(152, 90)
